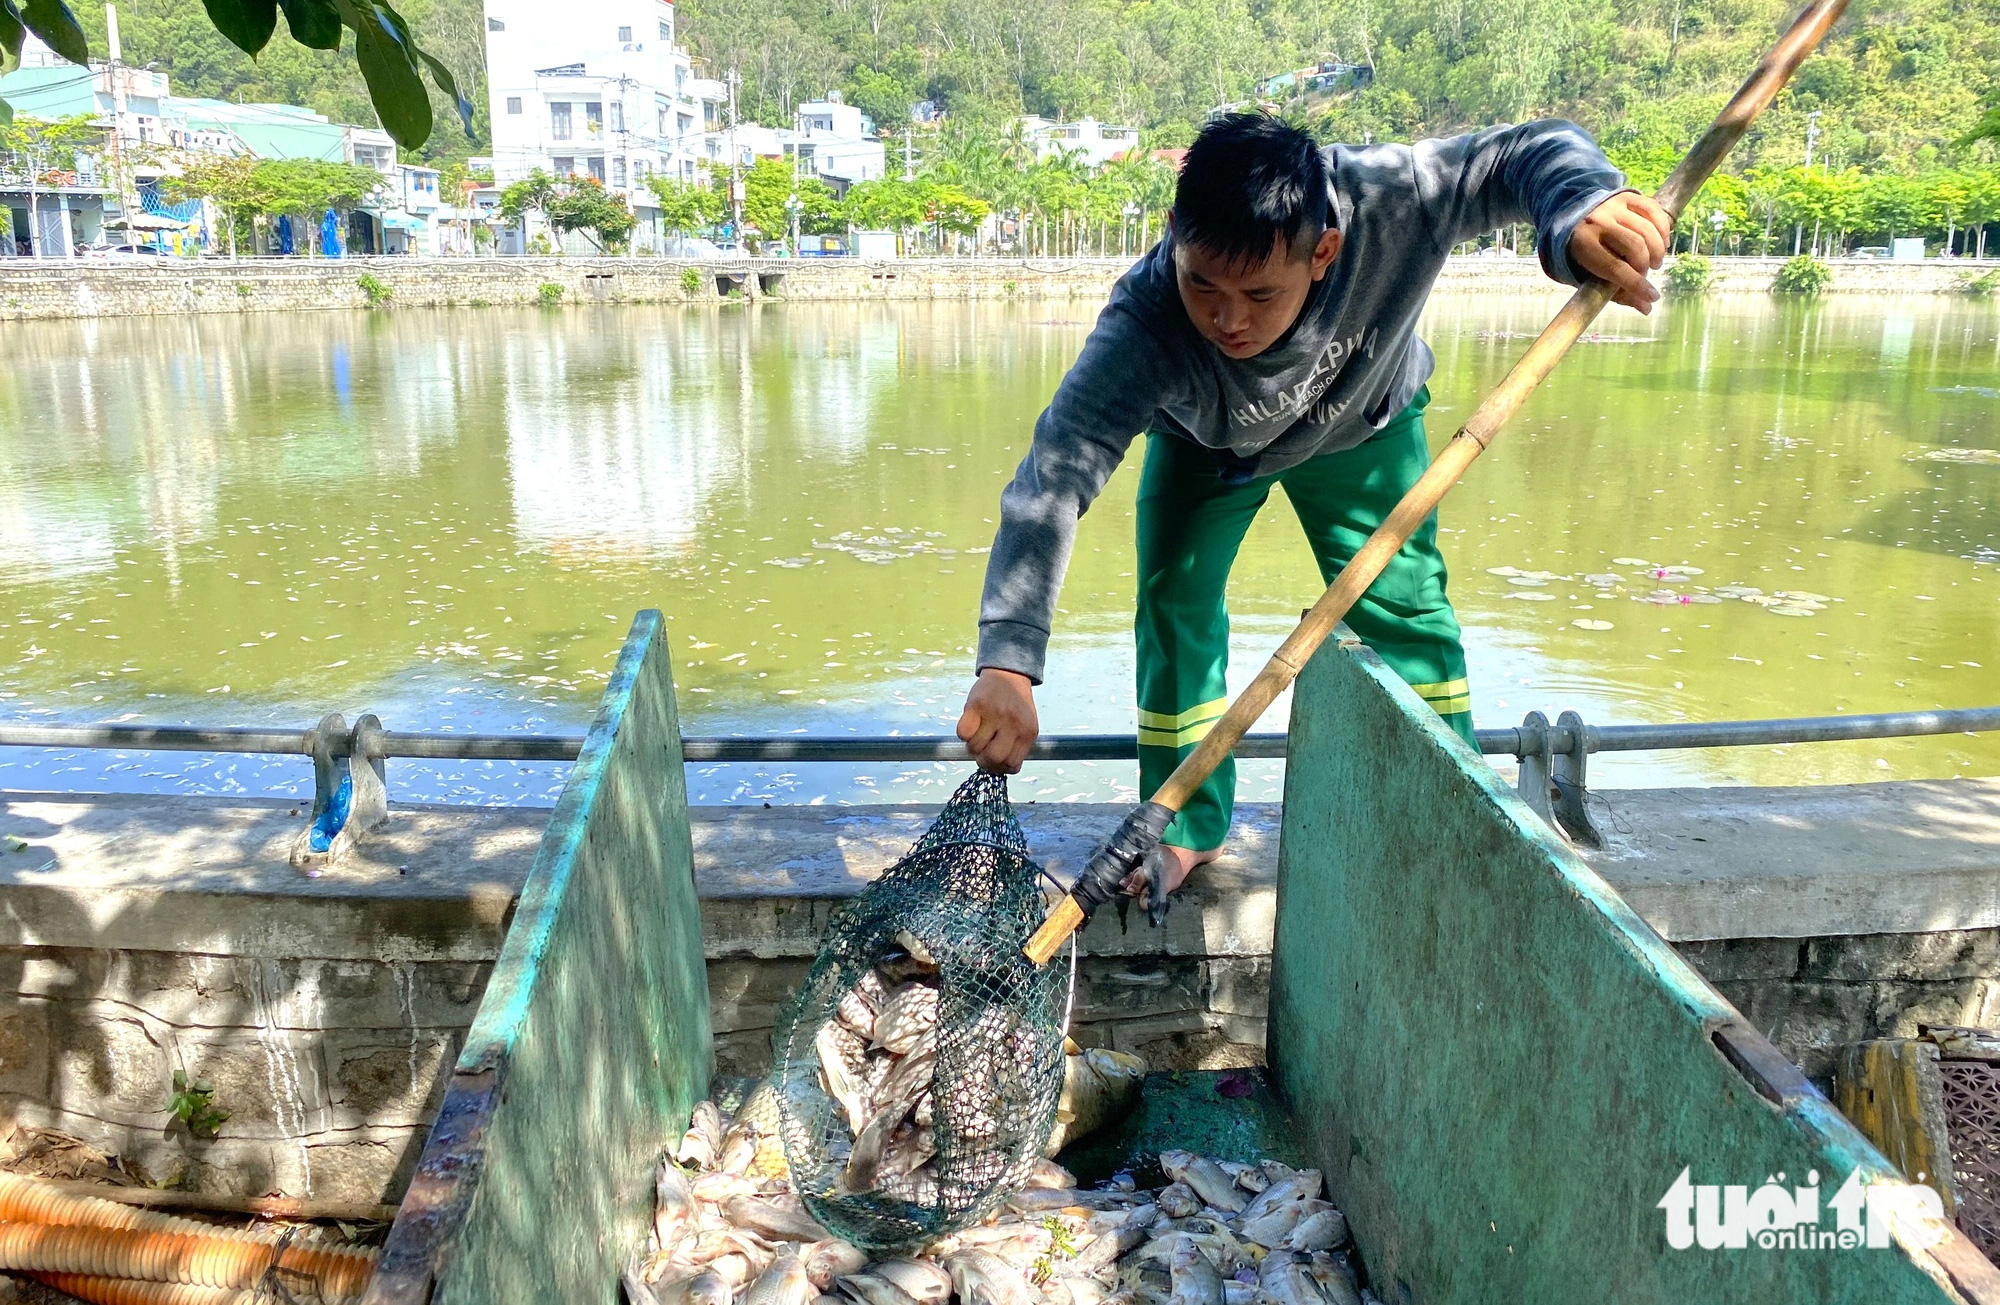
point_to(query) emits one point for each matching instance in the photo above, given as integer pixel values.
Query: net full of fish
(918, 1068)
(729, 1230)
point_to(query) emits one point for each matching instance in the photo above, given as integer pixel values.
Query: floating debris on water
(1964, 457)
(1532, 596)
(1586, 623)
(1630, 561)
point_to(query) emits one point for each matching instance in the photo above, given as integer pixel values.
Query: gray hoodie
(1350, 363)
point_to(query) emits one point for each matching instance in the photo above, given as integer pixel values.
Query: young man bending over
(1270, 339)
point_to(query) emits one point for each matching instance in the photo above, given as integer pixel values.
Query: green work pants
(1190, 525)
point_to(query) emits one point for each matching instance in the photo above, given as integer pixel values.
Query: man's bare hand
(1621, 240)
(999, 723)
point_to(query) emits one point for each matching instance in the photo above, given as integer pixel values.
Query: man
(1269, 339)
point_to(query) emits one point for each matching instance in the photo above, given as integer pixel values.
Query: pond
(1737, 508)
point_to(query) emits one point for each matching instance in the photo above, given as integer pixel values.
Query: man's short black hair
(1248, 182)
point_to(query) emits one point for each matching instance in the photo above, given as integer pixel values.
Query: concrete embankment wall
(31, 289)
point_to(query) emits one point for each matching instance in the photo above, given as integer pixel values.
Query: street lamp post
(1131, 211)
(1721, 220)
(793, 207)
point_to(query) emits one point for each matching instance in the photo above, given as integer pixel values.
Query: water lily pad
(1503, 570)
(1665, 598)
(1681, 570)
(1738, 591)
(1584, 623)
(1630, 561)
(1544, 575)
(1700, 598)
(1532, 596)
(1793, 609)
(1529, 581)
(1604, 581)
(1802, 596)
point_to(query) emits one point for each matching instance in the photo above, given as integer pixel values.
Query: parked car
(119, 251)
(1871, 251)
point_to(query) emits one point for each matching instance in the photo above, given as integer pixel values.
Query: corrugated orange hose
(171, 1257)
(23, 1200)
(126, 1291)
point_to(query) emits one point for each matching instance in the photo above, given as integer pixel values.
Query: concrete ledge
(1901, 858)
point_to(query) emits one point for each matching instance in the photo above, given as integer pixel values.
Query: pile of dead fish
(877, 1059)
(729, 1230)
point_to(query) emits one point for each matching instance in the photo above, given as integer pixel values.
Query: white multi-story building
(607, 92)
(1098, 142)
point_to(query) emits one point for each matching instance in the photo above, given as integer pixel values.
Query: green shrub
(548, 294)
(243, 290)
(1980, 287)
(1803, 275)
(1690, 275)
(480, 303)
(691, 280)
(377, 291)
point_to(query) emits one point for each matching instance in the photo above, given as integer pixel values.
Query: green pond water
(449, 517)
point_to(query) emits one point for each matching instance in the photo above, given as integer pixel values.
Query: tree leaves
(313, 23)
(388, 60)
(12, 33)
(247, 23)
(449, 85)
(54, 23)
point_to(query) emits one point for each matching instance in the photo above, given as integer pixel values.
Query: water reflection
(448, 517)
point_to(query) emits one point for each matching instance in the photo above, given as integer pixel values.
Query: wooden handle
(1467, 444)
(1065, 920)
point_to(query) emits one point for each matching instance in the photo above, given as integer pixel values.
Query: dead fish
(867, 1289)
(1335, 1279)
(1284, 1279)
(843, 1081)
(1302, 1185)
(769, 1219)
(706, 1288)
(673, 1204)
(784, 1283)
(983, 1279)
(911, 1013)
(831, 1259)
(718, 1188)
(906, 1152)
(910, 943)
(1195, 1278)
(701, 1145)
(1250, 1178)
(737, 1268)
(714, 1245)
(1098, 1085)
(1270, 1230)
(1320, 1231)
(1177, 1201)
(1206, 1177)
(920, 1280)
(1047, 1173)
(636, 1290)
(924, 1112)
(856, 1013)
(1076, 1290)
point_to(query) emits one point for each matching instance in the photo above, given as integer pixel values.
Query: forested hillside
(1898, 82)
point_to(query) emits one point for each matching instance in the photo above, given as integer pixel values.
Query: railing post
(1568, 773)
(1537, 765)
(349, 799)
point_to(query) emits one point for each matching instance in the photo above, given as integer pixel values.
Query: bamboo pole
(1467, 444)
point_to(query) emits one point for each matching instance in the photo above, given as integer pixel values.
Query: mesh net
(919, 1066)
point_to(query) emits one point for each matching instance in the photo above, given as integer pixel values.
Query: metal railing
(1553, 757)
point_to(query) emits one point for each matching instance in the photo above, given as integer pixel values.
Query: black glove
(1136, 844)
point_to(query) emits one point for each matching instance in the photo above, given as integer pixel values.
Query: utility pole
(116, 70)
(735, 172)
(1799, 229)
(908, 175)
